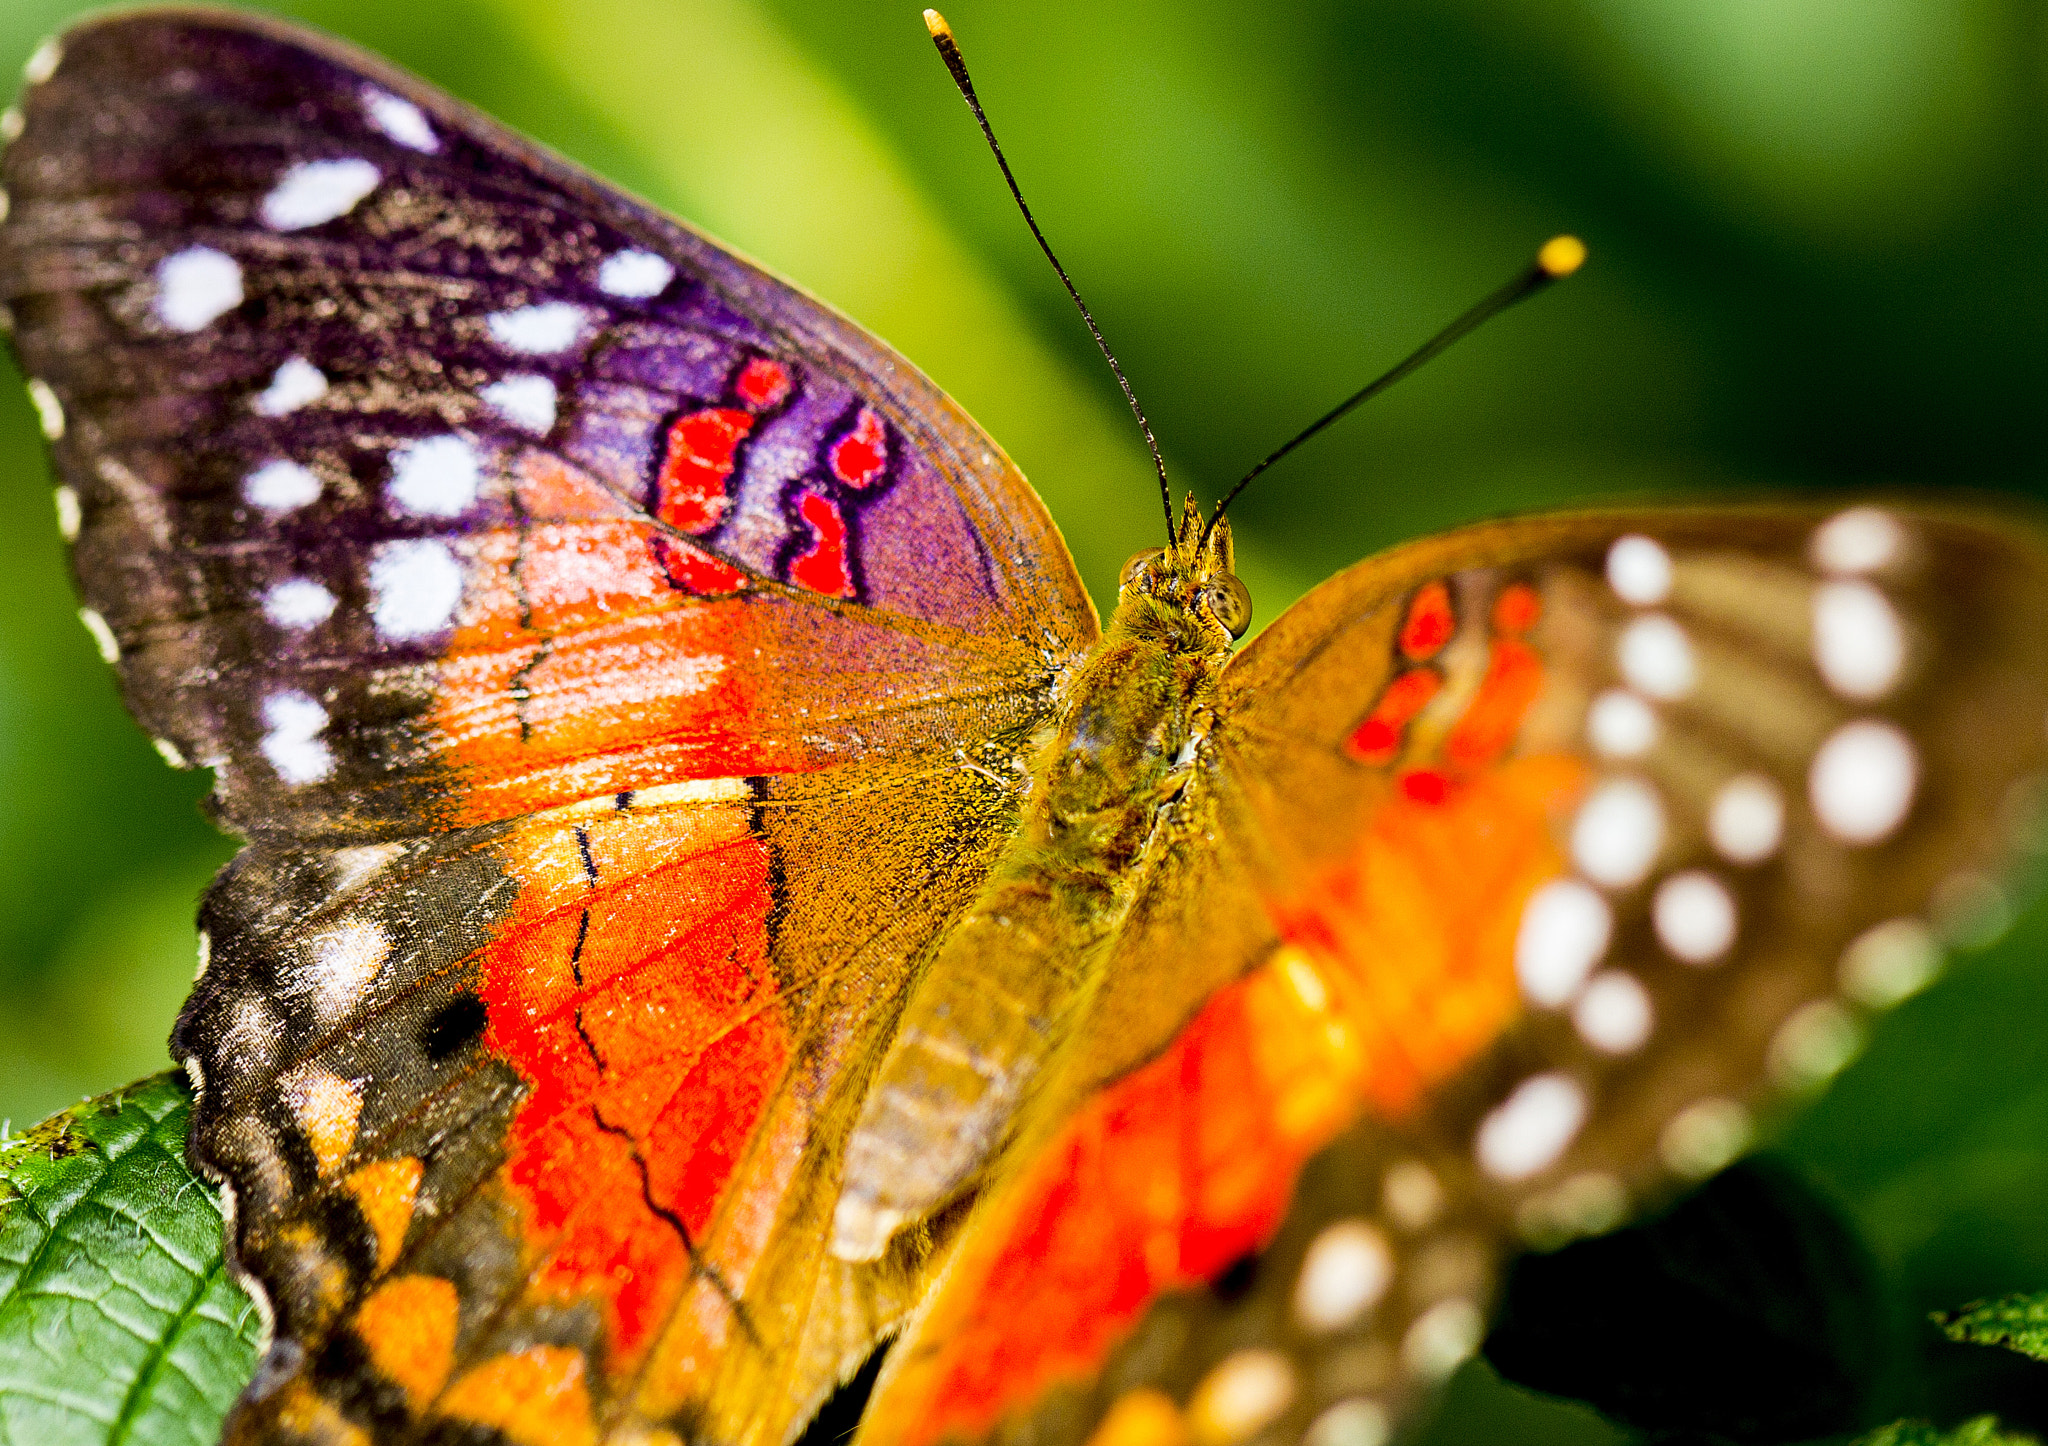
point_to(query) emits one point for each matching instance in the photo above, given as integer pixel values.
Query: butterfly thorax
(1006, 984)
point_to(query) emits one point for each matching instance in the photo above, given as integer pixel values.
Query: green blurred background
(1819, 235)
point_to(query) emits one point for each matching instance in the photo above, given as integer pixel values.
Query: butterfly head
(1188, 587)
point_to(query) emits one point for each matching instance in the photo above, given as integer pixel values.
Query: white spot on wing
(1890, 962)
(335, 967)
(1656, 657)
(1614, 1015)
(280, 486)
(293, 744)
(1813, 1045)
(526, 401)
(1858, 644)
(350, 868)
(49, 411)
(11, 124)
(1861, 540)
(295, 384)
(1639, 571)
(1528, 1132)
(44, 62)
(1354, 1421)
(195, 287)
(415, 585)
(634, 274)
(1617, 834)
(102, 635)
(400, 119)
(1703, 1137)
(1862, 781)
(1245, 1392)
(1441, 1338)
(1564, 932)
(1694, 915)
(1412, 1195)
(298, 603)
(549, 327)
(314, 192)
(68, 516)
(437, 477)
(168, 752)
(1347, 1269)
(1621, 725)
(1747, 820)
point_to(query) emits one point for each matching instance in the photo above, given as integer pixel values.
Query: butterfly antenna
(949, 50)
(1559, 258)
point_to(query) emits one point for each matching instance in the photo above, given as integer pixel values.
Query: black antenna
(1559, 258)
(949, 50)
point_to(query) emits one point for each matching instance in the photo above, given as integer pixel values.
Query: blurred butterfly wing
(1521, 864)
(418, 475)
(594, 634)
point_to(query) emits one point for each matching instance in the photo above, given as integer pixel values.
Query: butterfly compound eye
(1138, 571)
(1230, 603)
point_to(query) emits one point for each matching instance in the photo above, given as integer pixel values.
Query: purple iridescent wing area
(389, 440)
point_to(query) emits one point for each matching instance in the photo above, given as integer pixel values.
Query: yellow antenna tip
(936, 23)
(1560, 256)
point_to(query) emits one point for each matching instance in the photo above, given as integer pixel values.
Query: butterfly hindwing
(617, 660)
(1555, 847)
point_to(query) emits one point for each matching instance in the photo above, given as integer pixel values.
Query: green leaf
(2018, 1322)
(118, 1320)
(1981, 1432)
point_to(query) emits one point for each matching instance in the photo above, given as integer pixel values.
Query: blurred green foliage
(1820, 260)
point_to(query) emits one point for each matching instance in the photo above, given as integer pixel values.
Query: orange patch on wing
(1399, 970)
(536, 1397)
(1514, 676)
(578, 669)
(1141, 1417)
(1518, 609)
(384, 1191)
(634, 993)
(407, 1325)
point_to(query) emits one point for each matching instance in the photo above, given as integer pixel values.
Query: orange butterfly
(716, 898)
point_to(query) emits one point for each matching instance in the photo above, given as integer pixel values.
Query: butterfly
(717, 899)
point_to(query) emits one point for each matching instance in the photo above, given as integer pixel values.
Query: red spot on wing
(1517, 610)
(857, 459)
(691, 491)
(1378, 738)
(1430, 623)
(1425, 786)
(697, 572)
(651, 1037)
(823, 568)
(762, 383)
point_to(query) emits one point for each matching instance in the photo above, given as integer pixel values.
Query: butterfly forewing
(617, 659)
(1569, 843)
(417, 475)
